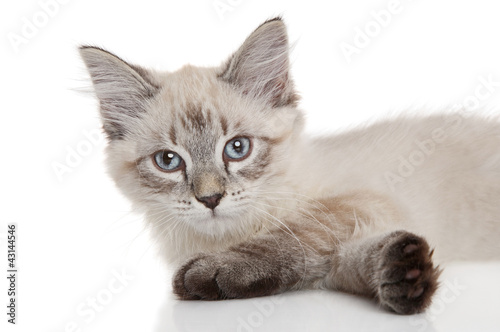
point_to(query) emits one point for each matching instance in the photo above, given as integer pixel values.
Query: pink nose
(210, 201)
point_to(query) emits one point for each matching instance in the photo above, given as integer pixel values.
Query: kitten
(247, 205)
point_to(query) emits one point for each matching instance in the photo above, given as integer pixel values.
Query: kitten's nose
(210, 201)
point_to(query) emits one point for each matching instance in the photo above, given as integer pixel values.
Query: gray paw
(226, 276)
(407, 278)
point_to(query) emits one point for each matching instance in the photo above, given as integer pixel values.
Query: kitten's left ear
(260, 68)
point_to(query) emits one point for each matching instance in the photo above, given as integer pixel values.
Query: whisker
(292, 234)
(308, 216)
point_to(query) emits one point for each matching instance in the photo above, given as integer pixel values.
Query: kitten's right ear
(122, 89)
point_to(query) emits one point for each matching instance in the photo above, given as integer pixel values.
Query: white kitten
(250, 206)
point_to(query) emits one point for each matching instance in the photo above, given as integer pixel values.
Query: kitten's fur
(298, 212)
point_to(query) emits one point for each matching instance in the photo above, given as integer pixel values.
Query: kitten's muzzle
(210, 202)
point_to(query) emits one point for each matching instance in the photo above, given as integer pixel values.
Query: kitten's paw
(225, 276)
(407, 278)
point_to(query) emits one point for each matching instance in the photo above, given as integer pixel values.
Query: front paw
(226, 276)
(407, 278)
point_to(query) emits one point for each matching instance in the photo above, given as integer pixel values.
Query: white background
(76, 233)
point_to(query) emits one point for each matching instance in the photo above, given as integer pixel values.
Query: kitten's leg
(296, 255)
(268, 264)
(328, 249)
(396, 268)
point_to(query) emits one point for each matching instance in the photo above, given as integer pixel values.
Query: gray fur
(296, 212)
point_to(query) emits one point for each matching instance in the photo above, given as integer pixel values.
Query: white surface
(76, 233)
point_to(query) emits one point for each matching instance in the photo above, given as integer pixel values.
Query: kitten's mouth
(212, 223)
(219, 215)
(207, 215)
(216, 215)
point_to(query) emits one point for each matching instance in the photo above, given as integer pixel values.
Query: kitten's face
(204, 147)
(206, 159)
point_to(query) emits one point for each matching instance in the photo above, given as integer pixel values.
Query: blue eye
(237, 149)
(168, 161)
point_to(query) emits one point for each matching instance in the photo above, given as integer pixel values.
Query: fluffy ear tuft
(122, 89)
(260, 68)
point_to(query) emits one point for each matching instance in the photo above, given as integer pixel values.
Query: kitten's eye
(168, 161)
(237, 149)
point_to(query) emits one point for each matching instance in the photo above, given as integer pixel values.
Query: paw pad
(408, 277)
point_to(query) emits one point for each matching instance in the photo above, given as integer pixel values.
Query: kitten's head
(201, 147)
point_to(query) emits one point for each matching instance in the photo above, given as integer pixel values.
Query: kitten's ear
(260, 68)
(122, 89)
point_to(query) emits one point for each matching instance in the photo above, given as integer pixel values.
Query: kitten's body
(441, 172)
(449, 198)
(335, 212)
